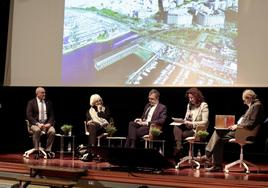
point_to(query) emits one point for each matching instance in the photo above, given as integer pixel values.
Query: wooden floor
(100, 175)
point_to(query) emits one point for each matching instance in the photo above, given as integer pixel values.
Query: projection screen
(164, 43)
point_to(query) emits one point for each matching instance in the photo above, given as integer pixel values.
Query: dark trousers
(180, 133)
(135, 131)
(94, 130)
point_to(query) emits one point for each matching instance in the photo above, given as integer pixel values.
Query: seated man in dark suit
(154, 114)
(41, 118)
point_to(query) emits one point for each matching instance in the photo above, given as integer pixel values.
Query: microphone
(190, 105)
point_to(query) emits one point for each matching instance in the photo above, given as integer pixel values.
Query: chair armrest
(190, 138)
(28, 126)
(85, 125)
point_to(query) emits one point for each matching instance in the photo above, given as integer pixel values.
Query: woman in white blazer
(196, 115)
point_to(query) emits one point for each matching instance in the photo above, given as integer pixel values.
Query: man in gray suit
(40, 115)
(253, 117)
(154, 114)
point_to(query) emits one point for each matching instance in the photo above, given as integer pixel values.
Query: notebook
(223, 122)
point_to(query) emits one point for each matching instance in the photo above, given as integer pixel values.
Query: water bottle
(160, 151)
(198, 158)
(69, 148)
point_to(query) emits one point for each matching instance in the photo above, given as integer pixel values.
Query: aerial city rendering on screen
(150, 42)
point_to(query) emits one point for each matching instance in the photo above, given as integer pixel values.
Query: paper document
(178, 120)
(175, 123)
(221, 128)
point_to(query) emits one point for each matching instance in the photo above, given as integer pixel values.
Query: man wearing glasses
(154, 115)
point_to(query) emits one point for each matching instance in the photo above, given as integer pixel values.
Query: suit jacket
(32, 112)
(199, 115)
(159, 116)
(254, 116)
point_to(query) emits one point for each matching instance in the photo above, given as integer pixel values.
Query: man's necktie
(147, 112)
(42, 117)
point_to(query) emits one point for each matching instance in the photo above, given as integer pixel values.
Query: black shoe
(177, 155)
(98, 159)
(214, 169)
(88, 157)
(206, 159)
(175, 152)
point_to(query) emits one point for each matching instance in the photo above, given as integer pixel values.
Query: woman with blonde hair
(97, 118)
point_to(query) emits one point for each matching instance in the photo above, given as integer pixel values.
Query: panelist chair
(30, 151)
(103, 135)
(87, 155)
(190, 159)
(242, 136)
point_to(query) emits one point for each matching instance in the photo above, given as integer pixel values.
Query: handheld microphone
(190, 105)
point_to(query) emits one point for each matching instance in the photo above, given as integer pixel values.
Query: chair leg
(146, 143)
(98, 144)
(42, 150)
(184, 159)
(100, 137)
(251, 164)
(246, 167)
(30, 151)
(226, 168)
(189, 158)
(197, 164)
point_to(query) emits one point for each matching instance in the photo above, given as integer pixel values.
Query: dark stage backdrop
(71, 103)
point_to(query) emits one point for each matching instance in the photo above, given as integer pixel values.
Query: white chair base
(30, 151)
(240, 162)
(190, 160)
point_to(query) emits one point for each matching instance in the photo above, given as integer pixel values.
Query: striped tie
(42, 115)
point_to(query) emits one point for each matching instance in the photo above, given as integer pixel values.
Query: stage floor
(101, 175)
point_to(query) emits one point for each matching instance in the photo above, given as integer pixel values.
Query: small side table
(62, 138)
(120, 138)
(149, 144)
